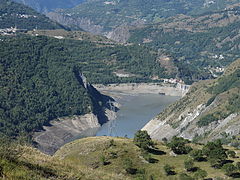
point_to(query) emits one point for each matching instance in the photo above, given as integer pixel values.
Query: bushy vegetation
(178, 145)
(226, 83)
(229, 85)
(206, 120)
(215, 153)
(129, 160)
(143, 140)
(169, 170)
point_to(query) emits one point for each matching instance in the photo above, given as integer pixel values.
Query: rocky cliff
(76, 22)
(209, 110)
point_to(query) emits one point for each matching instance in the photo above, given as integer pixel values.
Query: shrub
(210, 100)
(168, 170)
(229, 169)
(128, 164)
(238, 166)
(206, 120)
(200, 174)
(184, 176)
(103, 160)
(178, 145)
(10, 149)
(197, 154)
(231, 154)
(189, 164)
(214, 152)
(147, 157)
(143, 140)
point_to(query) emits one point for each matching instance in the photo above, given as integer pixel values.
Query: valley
(117, 89)
(127, 111)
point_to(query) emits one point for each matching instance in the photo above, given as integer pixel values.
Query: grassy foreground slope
(104, 158)
(107, 158)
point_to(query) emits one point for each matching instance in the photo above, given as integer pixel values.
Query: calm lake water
(134, 113)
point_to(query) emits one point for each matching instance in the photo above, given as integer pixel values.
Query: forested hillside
(40, 77)
(14, 14)
(200, 46)
(39, 83)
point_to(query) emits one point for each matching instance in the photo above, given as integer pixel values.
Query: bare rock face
(82, 23)
(187, 128)
(202, 114)
(120, 34)
(64, 130)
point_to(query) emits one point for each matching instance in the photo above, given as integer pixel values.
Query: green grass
(80, 159)
(85, 153)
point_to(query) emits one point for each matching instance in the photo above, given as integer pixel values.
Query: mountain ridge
(45, 6)
(108, 15)
(14, 14)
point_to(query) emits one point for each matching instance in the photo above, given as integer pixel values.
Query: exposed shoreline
(116, 90)
(64, 130)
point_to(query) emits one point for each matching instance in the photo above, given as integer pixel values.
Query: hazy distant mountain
(198, 44)
(15, 14)
(50, 5)
(101, 16)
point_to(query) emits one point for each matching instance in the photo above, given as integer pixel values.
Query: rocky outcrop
(209, 102)
(186, 126)
(120, 34)
(64, 130)
(76, 23)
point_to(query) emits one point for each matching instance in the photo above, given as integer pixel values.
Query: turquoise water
(134, 113)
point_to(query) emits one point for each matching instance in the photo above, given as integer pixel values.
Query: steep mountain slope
(209, 110)
(41, 77)
(14, 14)
(45, 6)
(39, 84)
(200, 46)
(103, 16)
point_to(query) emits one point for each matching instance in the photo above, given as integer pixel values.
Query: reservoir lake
(135, 112)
